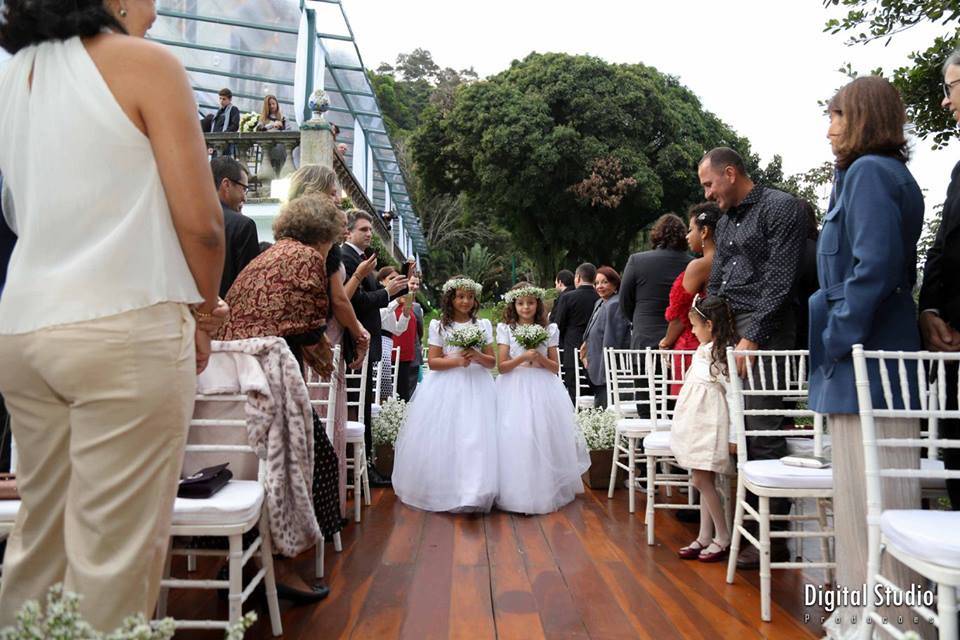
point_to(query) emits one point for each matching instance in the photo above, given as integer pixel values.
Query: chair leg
(765, 559)
(799, 525)
(337, 543)
(191, 562)
(947, 611)
(236, 578)
(165, 591)
(318, 558)
(632, 471)
(365, 476)
(824, 542)
(269, 577)
(735, 531)
(357, 482)
(665, 468)
(613, 466)
(651, 496)
(874, 560)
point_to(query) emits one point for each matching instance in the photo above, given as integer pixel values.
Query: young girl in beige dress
(701, 424)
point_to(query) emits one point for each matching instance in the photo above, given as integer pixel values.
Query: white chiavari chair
(379, 381)
(358, 479)
(326, 409)
(665, 373)
(236, 509)
(629, 391)
(779, 374)
(583, 396)
(924, 541)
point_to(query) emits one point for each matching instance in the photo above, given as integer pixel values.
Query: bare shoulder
(696, 275)
(126, 56)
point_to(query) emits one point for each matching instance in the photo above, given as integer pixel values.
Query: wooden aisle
(584, 572)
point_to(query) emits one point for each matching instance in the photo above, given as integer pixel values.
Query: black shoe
(299, 596)
(377, 480)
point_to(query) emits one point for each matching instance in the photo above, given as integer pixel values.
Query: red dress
(679, 309)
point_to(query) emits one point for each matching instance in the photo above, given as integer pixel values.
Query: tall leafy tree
(919, 81)
(570, 154)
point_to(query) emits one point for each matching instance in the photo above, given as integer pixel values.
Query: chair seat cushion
(776, 475)
(803, 446)
(8, 510)
(658, 442)
(926, 464)
(374, 410)
(585, 402)
(354, 430)
(641, 425)
(928, 535)
(238, 502)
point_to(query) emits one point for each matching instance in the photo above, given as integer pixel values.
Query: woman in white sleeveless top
(119, 230)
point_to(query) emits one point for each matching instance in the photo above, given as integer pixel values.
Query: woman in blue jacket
(866, 261)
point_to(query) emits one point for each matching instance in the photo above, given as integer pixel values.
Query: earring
(123, 11)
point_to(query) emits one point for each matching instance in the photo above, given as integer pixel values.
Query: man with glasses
(232, 182)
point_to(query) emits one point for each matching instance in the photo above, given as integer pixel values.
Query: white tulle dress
(542, 452)
(446, 453)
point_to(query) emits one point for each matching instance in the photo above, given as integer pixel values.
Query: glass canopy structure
(287, 48)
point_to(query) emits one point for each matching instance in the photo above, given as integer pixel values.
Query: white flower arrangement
(529, 336)
(463, 283)
(386, 425)
(249, 122)
(62, 620)
(599, 427)
(523, 292)
(470, 337)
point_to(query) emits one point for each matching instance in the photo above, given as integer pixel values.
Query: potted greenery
(385, 428)
(61, 619)
(599, 427)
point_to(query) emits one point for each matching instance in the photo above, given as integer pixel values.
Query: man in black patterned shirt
(760, 242)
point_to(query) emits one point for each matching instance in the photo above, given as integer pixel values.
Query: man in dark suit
(367, 301)
(940, 311)
(231, 181)
(571, 316)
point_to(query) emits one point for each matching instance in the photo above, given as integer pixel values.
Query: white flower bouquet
(249, 122)
(471, 337)
(386, 425)
(529, 336)
(599, 427)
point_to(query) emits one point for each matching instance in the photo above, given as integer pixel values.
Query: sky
(760, 65)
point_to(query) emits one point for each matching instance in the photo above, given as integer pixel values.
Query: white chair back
(326, 407)
(378, 377)
(666, 375)
(356, 380)
(628, 381)
(781, 374)
(584, 388)
(560, 360)
(922, 370)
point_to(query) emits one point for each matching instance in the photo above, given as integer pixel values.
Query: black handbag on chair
(205, 483)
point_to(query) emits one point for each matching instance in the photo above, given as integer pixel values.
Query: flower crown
(462, 283)
(522, 292)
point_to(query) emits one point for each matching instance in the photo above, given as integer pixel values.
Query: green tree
(569, 154)
(919, 81)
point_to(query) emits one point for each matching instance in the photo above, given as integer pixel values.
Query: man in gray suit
(645, 291)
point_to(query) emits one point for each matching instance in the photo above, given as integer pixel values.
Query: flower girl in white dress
(446, 453)
(542, 452)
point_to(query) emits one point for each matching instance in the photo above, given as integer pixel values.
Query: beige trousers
(99, 411)
(850, 513)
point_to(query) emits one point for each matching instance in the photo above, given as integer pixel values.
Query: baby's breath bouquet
(387, 424)
(529, 336)
(599, 427)
(249, 122)
(470, 337)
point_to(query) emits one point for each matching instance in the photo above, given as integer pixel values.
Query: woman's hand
(212, 322)
(202, 340)
(361, 348)
(664, 344)
(320, 357)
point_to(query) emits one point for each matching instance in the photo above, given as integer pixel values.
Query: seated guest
(283, 292)
(271, 118)
(606, 328)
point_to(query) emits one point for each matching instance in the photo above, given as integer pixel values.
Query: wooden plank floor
(583, 572)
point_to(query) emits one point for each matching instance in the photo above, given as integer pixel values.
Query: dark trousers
(570, 372)
(951, 429)
(407, 375)
(768, 447)
(600, 396)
